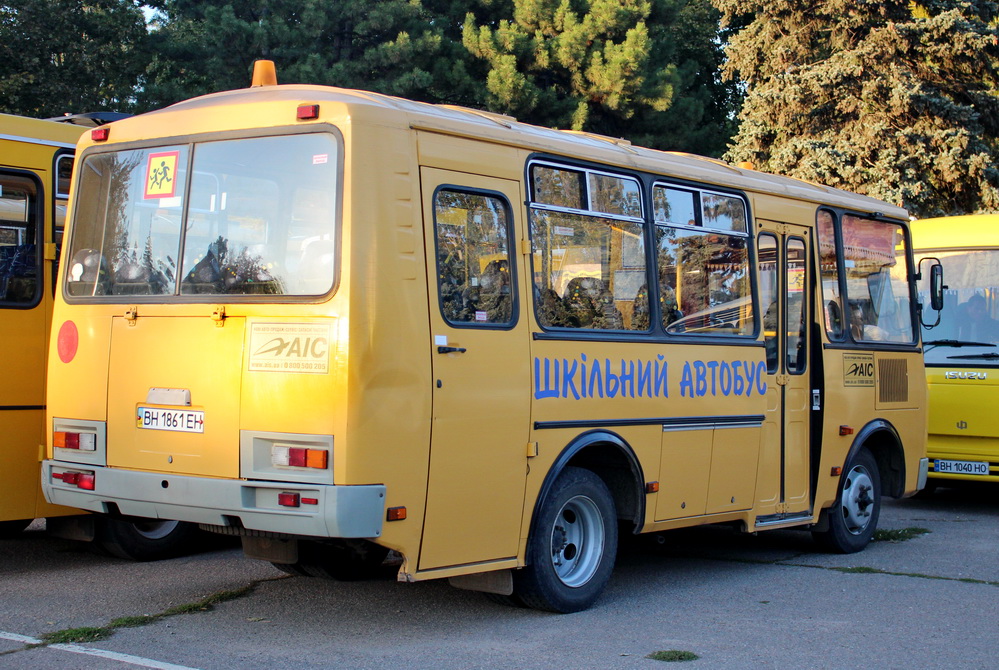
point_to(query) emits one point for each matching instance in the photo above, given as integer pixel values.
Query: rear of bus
(206, 315)
(962, 351)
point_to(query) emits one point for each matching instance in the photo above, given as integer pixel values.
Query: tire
(145, 539)
(342, 560)
(571, 552)
(9, 529)
(854, 516)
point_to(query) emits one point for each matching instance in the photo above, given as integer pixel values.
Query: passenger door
(481, 371)
(785, 297)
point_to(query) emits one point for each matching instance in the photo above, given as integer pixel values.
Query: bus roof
(956, 232)
(500, 129)
(38, 131)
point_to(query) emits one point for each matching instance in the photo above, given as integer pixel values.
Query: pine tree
(645, 70)
(396, 47)
(896, 100)
(69, 56)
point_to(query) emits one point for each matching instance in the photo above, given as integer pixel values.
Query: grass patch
(898, 534)
(93, 634)
(673, 656)
(77, 635)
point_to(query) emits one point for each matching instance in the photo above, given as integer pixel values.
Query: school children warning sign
(161, 175)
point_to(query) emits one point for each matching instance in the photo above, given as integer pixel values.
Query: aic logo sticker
(290, 347)
(858, 369)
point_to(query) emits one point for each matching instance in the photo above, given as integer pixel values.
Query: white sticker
(440, 340)
(320, 159)
(290, 347)
(563, 230)
(481, 316)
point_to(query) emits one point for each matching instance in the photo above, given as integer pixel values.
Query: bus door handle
(450, 350)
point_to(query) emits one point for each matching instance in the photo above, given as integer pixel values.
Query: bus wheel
(13, 528)
(145, 539)
(343, 560)
(854, 517)
(571, 553)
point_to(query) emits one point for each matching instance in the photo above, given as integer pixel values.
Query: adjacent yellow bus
(962, 358)
(338, 323)
(36, 161)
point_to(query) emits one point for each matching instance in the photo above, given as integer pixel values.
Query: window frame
(511, 259)
(39, 214)
(190, 141)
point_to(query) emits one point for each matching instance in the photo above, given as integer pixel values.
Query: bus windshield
(236, 217)
(968, 332)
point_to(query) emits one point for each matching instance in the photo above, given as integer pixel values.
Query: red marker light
(307, 112)
(100, 134)
(288, 499)
(86, 481)
(68, 341)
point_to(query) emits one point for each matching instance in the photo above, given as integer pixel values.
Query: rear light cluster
(72, 440)
(289, 499)
(299, 457)
(85, 480)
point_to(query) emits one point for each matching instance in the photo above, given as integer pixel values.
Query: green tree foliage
(398, 47)
(645, 70)
(64, 56)
(893, 99)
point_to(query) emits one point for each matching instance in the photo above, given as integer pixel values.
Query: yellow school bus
(962, 359)
(36, 160)
(340, 324)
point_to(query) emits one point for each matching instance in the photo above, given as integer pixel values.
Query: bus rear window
(246, 217)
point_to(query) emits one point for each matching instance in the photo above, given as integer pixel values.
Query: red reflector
(845, 430)
(310, 501)
(836, 471)
(396, 513)
(68, 341)
(306, 112)
(100, 134)
(71, 478)
(86, 481)
(297, 457)
(288, 499)
(56, 475)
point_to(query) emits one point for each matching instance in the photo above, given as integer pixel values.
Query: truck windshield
(968, 323)
(243, 217)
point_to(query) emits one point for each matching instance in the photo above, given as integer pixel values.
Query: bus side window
(18, 252)
(474, 278)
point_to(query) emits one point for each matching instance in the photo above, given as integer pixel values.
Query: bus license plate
(963, 467)
(182, 420)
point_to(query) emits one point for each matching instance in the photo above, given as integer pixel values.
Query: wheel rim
(857, 500)
(577, 541)
(154, 530)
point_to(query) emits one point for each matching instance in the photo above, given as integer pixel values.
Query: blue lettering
(713, 366)
(645, 378)
(568, 379)
(750, 370)
(548, 391)
(582, 377)
(740, 383)
(613, 382)
(700, 378)
(662, 388)
(627, 378)
(687, 382)
(761, 382)
(725, 375)
(596, 379)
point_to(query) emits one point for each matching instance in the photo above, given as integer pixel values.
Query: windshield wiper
(991, 355)
(954, 343)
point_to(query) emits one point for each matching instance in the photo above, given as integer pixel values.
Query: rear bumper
(338, 511)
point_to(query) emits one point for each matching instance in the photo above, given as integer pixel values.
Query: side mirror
(936, 287)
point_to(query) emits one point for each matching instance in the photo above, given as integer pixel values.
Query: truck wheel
(145, 539)
(854, 516)
(571, 551)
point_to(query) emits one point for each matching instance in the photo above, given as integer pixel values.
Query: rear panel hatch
(157, 366)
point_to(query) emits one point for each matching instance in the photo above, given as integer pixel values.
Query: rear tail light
(299, 457)
(85, 480)
(289, 499)
(72, 440)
